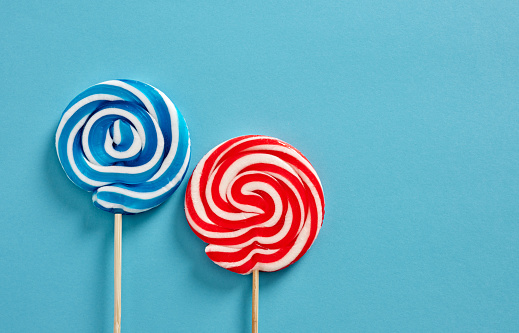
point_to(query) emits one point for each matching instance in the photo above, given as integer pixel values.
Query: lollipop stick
(118, 227)
(255, 295)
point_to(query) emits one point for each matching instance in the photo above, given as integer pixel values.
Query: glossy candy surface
(258, 203)
(125, 141)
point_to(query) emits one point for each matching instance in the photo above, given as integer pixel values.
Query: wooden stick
(255, 298)
(118, 228)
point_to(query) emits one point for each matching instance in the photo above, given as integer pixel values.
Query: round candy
(125, 141)
(258, 203)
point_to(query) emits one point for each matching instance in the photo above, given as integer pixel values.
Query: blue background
(408, 111)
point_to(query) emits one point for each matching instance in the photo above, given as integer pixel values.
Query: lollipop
(258, 203)
(124, 141)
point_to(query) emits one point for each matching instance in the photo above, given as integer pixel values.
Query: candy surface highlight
(125, 141)
(258, 203)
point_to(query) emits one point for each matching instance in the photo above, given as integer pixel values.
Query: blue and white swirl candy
(125, 141)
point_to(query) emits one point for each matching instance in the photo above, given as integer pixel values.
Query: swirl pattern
(258, 203)
(125, 141)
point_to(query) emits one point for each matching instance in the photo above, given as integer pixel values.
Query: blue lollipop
(126, 142)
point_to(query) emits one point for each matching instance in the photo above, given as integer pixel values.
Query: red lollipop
(258, 203)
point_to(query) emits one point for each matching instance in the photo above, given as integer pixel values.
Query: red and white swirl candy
(257, 201)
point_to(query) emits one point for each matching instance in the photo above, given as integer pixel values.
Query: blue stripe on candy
(161, 109)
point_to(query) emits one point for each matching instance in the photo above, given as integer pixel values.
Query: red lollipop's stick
(118, 228)
(255, 296)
